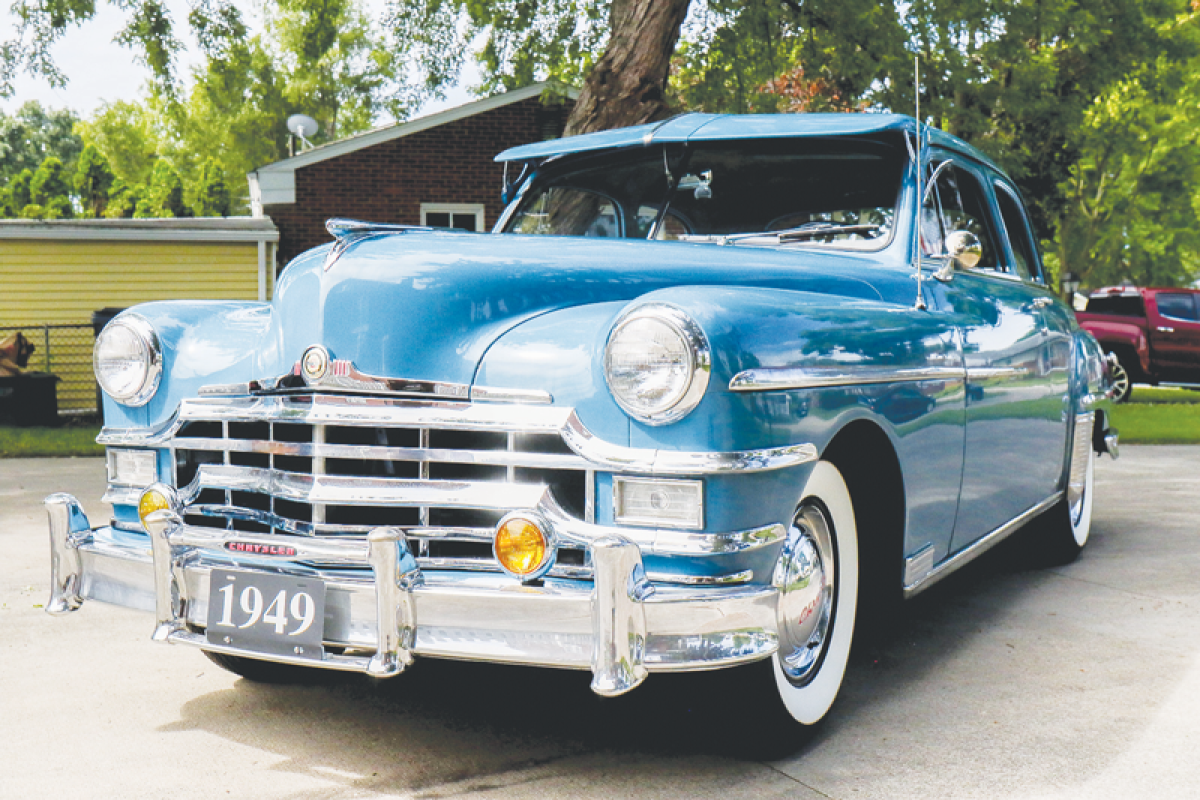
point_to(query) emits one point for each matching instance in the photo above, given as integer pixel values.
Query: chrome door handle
(1165, 329)
(1041, 302)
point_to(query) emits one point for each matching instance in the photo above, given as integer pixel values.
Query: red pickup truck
(1154, 334)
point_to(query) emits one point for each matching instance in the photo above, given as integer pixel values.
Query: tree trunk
(628, 85)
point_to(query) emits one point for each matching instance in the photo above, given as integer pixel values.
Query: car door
(1175, 335)
(1015, 427)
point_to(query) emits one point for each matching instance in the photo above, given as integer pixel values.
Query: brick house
(435, 170)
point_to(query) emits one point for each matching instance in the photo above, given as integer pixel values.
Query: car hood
(427, 305)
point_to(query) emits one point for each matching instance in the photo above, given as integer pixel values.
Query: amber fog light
(157, 498)
(524, 546)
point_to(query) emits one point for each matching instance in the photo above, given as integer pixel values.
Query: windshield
(834, 192)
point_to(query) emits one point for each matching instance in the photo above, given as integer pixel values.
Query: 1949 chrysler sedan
(709, 387)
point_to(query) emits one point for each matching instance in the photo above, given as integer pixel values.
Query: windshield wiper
(811, 230)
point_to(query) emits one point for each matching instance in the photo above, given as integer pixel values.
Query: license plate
(266, 613)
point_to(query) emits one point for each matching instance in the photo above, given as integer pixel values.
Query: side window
(566, 211)
(957, 203)
(1017, 227)
(1119, 305)
(1178, 306)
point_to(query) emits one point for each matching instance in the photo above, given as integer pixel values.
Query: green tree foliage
(127, 135)
(336, 64)
(34, 133)
(212, 193)
(93, 179)
(1131, 213)
(51, 189)
(319, 57)
(164, 196)
(18, 190)
(1084, 102)
(123, 199)
(523, 41)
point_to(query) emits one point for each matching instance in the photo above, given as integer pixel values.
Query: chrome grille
(447, 482)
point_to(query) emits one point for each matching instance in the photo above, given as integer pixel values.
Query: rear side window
(1018, 232)
(1121, 306)
(1178, 306)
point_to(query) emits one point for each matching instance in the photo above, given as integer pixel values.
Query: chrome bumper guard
(620, 626)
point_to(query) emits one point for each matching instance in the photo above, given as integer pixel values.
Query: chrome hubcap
(1120, 380)
(1081, 453)
(806, 577)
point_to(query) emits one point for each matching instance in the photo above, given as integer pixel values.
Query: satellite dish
(302, 125)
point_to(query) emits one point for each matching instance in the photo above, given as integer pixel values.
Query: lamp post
(1069, 284)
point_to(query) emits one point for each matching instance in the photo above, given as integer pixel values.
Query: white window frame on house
(452, 209)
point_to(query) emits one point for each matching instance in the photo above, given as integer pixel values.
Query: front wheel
(817, 579)
(260, 671)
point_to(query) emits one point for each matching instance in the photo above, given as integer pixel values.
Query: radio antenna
(920, 196)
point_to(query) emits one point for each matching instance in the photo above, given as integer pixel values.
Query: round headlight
(128, 360)
(657, 363)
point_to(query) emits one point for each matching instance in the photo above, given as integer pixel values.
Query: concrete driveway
(1005, 681)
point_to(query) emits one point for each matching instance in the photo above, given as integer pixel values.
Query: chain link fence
(66, 351)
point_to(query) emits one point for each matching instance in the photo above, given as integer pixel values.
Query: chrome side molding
(917, 566)
(978, 548)
(772, 379)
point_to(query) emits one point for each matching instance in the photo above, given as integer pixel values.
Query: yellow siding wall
(55, 282)
(45, 282)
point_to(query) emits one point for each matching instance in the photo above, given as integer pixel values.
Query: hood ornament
(349, 232)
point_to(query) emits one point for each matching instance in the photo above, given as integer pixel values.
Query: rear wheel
(1066, 527)
(817, 577)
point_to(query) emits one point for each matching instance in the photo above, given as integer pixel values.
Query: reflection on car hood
(448, 296)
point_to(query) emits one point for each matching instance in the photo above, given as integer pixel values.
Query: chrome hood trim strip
(771, 379)
(380, 412)
(343, 377)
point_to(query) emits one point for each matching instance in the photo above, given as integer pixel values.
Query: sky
(99, 70)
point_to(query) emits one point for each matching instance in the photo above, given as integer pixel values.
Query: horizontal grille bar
(330, 489)
(366, 452)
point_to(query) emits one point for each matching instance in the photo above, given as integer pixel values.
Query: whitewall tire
(1063, 531)
(817, 577)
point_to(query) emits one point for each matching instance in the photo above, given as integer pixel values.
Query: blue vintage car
(710, 388)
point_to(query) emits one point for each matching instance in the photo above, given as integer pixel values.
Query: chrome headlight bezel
(150, 357)
(695, 374)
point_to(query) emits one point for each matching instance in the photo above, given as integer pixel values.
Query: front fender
(751, 328)
(203, 343)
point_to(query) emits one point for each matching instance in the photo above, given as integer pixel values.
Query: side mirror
(964, 249)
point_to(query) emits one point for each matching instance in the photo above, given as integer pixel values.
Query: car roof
(698, 127)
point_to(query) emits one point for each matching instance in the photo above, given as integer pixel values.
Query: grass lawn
(1159, 415)
(69, 440)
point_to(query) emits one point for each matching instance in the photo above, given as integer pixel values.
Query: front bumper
(382, 609)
